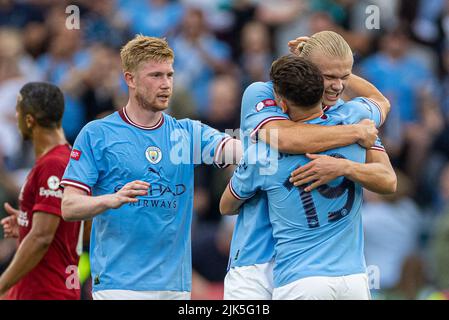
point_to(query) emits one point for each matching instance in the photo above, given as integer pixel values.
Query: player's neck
(140, 116)
(46, 139)
(301, 115)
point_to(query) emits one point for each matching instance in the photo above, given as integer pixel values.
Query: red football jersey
(55, 276)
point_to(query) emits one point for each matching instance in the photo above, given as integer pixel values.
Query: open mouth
(163, 97)
(332, 96)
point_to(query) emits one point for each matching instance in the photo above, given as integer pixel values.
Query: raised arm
(292, 137)
(78, 205)
(359, 87)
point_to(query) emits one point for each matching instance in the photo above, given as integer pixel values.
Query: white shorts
(351, 287)
(140, 295)
(253, 282)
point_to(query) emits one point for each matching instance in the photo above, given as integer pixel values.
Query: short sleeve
(82, 172)
(245, 181)
(49, 194)
(369, 108)
(378, 145)
(259, 107)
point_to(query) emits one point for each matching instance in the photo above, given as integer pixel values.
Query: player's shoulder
(185, 123)
(257, 97)
(358, 108)
(260, 88)
(97, 126)
(56, 160)
(190, 124)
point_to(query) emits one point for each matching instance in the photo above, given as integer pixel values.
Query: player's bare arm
(31, 250)
(298, 138)
(229, 205)
(359, 87)
(376, 174)
(78, 205)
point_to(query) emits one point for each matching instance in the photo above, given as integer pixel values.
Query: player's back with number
(325, 228)
(317, 233)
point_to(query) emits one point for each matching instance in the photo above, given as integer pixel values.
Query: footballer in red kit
(44, 266)
(41, 192)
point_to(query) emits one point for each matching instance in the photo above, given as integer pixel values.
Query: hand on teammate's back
(368, 133)
(317, 172)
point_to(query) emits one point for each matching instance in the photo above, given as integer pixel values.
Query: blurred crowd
(221, 46)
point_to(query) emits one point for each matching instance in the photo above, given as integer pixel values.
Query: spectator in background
(256, 56)
(408, 84)
(222, 114)
(217, 13)
(223, 110)
(286, 18)
(66, 57)
(15, 70)
(199, 56)
(210, 249)
(392, 226)
(17, 15)
(98, 86)
(157, 18)
(35, 39)
(105, 24)
(445, 84)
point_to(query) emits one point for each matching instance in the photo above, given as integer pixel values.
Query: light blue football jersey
(252, 240)
(143, 246)
(317, 233)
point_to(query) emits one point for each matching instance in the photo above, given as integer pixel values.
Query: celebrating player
(318, 235)
(252, 247)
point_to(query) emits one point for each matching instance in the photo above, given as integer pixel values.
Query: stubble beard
(146, 105)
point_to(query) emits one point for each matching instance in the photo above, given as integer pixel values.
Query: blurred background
(221, 46)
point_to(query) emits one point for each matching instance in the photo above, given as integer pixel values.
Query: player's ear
(30, 121)
(280, 101)
(130, 79)
(283, 105)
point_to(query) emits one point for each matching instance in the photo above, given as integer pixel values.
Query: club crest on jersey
(153, 154)
(53, 183)
(265, 103)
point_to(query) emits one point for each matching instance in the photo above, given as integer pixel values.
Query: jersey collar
(128, 120)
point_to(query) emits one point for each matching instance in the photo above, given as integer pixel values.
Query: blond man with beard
(132, 172)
